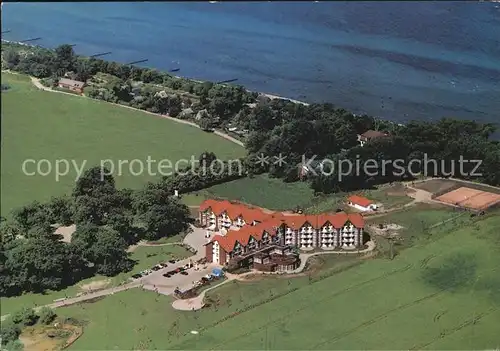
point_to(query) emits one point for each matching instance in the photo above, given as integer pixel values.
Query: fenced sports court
(469, 198)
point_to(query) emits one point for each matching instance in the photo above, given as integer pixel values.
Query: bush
(9, 332)
(47, 315)
(25, 317)
(15, 345)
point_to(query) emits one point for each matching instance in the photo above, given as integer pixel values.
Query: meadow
(441, 293)
(260, 190)
(419, 222)
(277, 195)
(45, 125)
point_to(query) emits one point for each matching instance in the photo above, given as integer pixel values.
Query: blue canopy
(217, 272)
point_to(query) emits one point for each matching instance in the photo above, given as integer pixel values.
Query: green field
(261, 191)
(442, 293)
(275, 194)
(45, 125)
(145, 258)
(421, 221)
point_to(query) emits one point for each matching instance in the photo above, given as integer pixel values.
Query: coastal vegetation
(276, 127)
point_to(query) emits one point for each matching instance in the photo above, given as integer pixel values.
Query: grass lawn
(440, 294)
(420, 222)
(145, 258)
(45, 125)
(263, 191)
(169, 240)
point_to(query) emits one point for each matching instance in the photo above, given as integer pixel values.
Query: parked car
(155, 268)
(167, 275)
(136, 276)
(184, 273)
(163, 265)
(172, 261)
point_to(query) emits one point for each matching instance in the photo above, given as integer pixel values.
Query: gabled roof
(359, 200)
(270, 222)
(371, 134)
(234, 210)
(71, 82)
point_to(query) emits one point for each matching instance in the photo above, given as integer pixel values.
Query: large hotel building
(246, 231)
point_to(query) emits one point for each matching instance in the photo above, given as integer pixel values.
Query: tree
(65, 59)
(9, 332)
(101, 247)
(11, 57)
(160, 213)
(9, 231)
(31, 215)
(36, 264)
(25, 317)
(95, 182)
(47, 315)
(60, 210)
(110, 257)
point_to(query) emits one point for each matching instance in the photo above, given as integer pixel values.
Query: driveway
(196, 239)
(166, 286)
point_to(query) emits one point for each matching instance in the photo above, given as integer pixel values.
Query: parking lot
(156, 281)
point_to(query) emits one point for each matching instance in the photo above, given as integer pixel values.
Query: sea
(394, 60)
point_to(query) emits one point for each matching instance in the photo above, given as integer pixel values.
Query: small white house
(361, 203)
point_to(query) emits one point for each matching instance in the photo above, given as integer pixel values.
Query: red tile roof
(359, 200)
(270, 222)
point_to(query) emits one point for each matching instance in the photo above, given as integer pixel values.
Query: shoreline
(268, 95)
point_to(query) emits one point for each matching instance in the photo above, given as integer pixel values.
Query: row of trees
(33, 258)
(300, 132)
(221, 100)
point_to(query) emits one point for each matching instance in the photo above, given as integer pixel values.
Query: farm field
(44, 125)
(440, 294)
(145, 258)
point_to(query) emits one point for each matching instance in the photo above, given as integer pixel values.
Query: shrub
(14, 345)
(9, 331)
(47, 315)
(25, 317)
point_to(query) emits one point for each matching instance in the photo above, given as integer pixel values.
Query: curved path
(197, 302)
(36, 82)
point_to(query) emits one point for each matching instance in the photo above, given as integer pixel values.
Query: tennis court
(470, 198)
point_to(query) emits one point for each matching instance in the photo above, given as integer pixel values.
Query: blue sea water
(397, 60)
